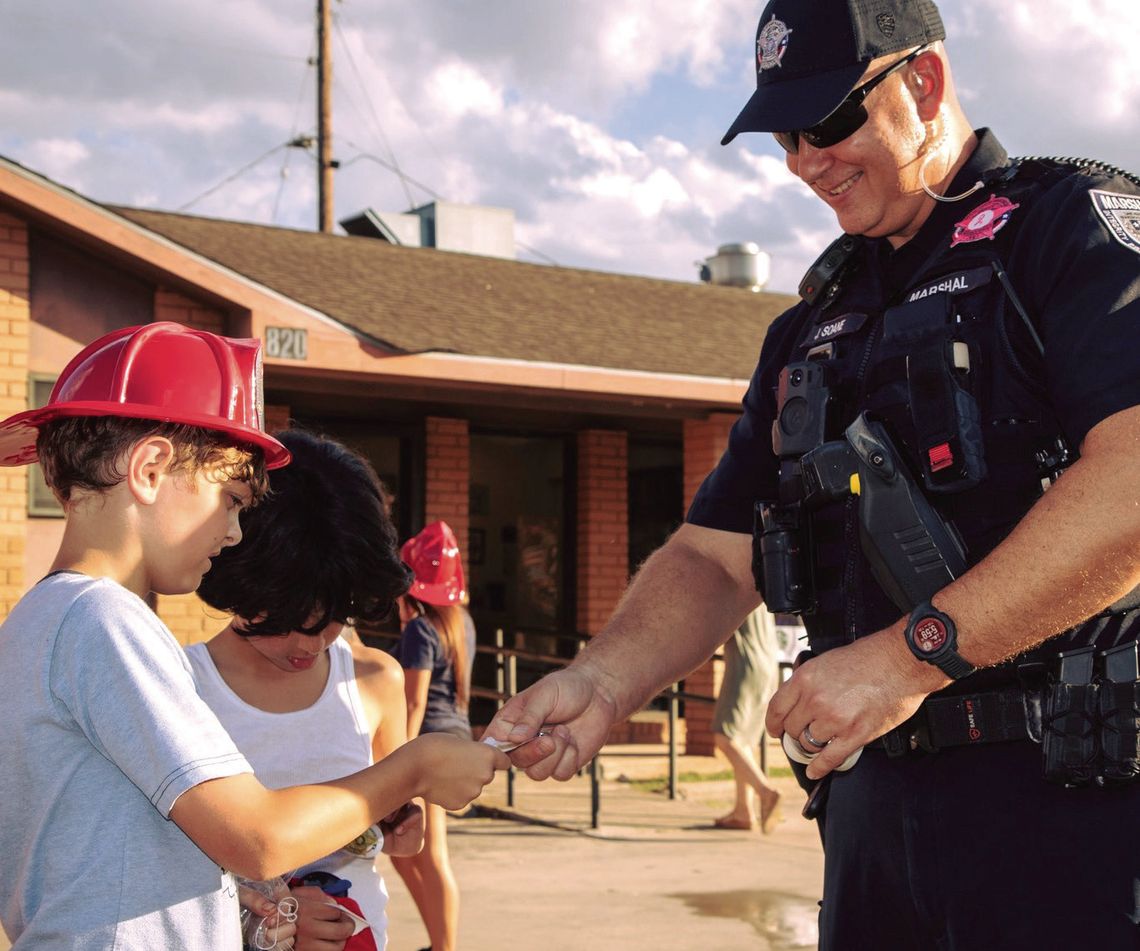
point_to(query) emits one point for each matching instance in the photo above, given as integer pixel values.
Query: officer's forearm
(681, 606)
(1074, 554)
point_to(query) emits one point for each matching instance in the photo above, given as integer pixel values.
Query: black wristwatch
(932, 637)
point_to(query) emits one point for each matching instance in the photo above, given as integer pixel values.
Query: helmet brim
(18, 433)
(441, 595)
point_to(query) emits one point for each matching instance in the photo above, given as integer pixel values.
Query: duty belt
(990, 716)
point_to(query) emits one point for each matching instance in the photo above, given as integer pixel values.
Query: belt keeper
(897, 741)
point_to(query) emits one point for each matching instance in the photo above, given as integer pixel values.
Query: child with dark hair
(152, 442)
(300, 701)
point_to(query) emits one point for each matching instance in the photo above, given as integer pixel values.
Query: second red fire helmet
(433, 555)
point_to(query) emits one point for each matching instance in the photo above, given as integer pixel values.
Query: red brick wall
(603, 526)
(448, 476)
(276, 418)
(704, 442)
(14, 326)
(171, 305)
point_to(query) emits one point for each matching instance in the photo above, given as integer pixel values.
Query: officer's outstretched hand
(839, 701)
(574, 712)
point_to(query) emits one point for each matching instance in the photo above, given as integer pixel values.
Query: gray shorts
(751, 675)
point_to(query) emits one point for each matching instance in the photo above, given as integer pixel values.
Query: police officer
(979, 318)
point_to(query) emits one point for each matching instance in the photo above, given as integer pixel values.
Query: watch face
(930, 635)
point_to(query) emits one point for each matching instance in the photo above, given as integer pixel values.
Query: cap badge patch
(985, 221)
(1120, 214)
(772, 43)
(886, 24)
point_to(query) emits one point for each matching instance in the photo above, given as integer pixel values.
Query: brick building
(559, 419)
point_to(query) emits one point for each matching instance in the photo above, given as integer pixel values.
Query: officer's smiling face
(871, 179)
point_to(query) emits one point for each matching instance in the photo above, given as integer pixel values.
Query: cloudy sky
(597, 121)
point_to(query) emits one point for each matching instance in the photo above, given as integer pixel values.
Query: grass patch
(661, 783)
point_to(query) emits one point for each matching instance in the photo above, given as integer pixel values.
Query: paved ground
(655, 875)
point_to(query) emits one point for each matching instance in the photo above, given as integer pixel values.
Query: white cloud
(58, 158)
(457, 89)
(1060, 77)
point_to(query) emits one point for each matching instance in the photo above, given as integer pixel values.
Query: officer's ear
(926, 80)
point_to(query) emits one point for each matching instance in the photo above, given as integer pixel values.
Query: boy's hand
(276, 927)
(320, 924)
(454, 771)
(403, 830)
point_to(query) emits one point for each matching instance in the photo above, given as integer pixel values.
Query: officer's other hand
(851, 695)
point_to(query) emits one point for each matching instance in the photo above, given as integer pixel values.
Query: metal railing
(506, 686)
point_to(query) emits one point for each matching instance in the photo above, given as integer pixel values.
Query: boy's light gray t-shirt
(102, 732)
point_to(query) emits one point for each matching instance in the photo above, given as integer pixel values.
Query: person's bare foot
(770, 815)
(733, 821)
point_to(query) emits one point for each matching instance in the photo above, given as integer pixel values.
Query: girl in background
(436, 647)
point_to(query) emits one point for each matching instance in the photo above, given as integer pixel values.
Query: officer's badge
(985, 221)
(772, 43)
(886, 24)
(1120, 214)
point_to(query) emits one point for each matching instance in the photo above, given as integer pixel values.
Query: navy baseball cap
(810, 54)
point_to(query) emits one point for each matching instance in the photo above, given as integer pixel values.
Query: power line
(372, 109)
(391, 168)
(241, 171)
(538, 254)
(395, 95)
(293, 133)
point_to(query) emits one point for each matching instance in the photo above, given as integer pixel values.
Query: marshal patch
(960, 282)
(839, 327)
(1120, 214)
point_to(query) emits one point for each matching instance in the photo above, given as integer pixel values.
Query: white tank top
(328, 740)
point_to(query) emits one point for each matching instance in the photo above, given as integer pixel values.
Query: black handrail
(506, 676)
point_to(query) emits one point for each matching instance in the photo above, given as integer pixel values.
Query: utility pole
(325, 164)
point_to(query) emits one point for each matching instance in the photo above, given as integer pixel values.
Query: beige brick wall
(189, 618)
(15, 318)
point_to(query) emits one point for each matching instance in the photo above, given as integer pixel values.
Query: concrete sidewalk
(655, 875)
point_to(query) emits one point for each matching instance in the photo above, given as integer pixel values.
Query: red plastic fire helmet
(160, 371)
(433, 556)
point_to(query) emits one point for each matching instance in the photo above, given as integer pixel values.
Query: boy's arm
(259, 833)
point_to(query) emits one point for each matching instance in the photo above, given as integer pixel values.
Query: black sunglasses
(847, 118)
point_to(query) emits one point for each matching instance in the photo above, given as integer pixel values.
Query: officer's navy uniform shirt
(1080, 285)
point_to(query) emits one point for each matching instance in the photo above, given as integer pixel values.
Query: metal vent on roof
(737, 265)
